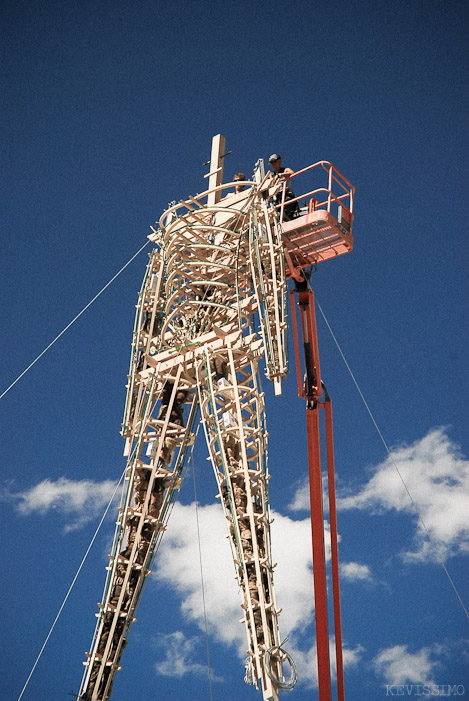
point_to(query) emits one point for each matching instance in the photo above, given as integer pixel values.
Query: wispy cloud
(354, 571)
(437, 477)
(422, 670)
(179, 652)
(301, 499)
(78, 501)
(397, 665)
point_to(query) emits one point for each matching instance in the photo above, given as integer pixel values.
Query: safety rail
(321, 227)
(346, 190)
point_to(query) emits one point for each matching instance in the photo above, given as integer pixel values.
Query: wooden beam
(216, 169)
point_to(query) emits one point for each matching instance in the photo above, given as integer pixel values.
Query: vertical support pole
(319, 554)
(334, 550)
(215, 177)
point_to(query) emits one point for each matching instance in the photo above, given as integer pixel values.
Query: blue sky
(108, 113)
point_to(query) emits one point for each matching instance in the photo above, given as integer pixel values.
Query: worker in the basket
(290, 211)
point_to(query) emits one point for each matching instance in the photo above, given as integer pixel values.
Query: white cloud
(353, 571)
(396, 665)
(179, 653)
(292, 550)
(82, 500)
(437, 478)
(301, 500)
(351, 657)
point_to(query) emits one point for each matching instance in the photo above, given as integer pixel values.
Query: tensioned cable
(72, 584)
(414, 505)
(202, 576)
(73, 321)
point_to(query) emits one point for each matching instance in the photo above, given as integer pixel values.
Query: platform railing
(340, 195)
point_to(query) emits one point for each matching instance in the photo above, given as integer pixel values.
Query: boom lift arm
(322, 230)
(313, 390)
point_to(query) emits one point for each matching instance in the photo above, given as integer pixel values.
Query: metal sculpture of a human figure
(212, 304)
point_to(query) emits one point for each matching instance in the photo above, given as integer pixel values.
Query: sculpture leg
(147, 493)
(233, 412)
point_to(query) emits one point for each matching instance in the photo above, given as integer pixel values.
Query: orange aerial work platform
(322, 227)
(318, 227)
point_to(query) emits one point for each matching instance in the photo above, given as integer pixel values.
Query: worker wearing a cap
(275, 161)
(290, 210)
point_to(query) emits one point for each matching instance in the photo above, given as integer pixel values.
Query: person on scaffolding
(237, 178)
(290, 211)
